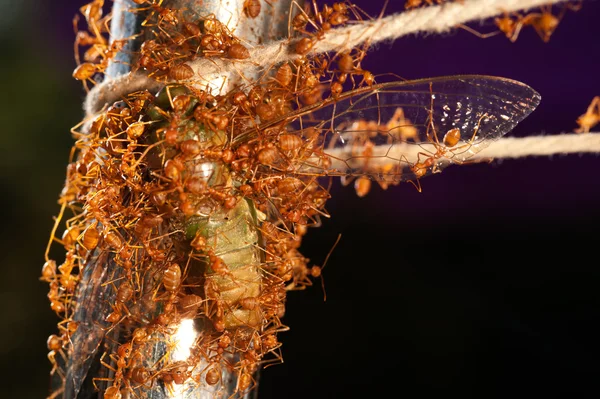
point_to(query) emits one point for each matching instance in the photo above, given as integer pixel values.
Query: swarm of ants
(172, 221)
(188, 207)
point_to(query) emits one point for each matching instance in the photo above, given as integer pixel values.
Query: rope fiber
(519, 147)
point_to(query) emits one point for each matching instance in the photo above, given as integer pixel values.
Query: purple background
(483, 285)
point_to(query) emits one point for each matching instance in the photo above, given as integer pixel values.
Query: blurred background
(483, 285)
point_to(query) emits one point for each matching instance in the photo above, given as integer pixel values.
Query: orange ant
(350, 65)
(511, 24)
(397, 129)
(121, 361)
(545, 23)
(252, 8)
(165, 14)
(451, 138)
(86, 71)
(412, 4)
(591, 117)
(93, 16)
(324, 20)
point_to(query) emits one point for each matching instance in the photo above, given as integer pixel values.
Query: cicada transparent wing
(403, 131)
(93, 299)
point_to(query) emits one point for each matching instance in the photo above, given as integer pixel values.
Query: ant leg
(100, 379)
(476, 33)
(594, 104)
(56, 393)
(398, 121)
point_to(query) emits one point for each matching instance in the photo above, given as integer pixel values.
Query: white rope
(435, 19)
(410, 153)
(520, 147)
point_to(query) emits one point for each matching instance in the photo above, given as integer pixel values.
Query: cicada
(189, 211)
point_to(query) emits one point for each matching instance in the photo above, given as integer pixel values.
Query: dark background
(483, 285)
